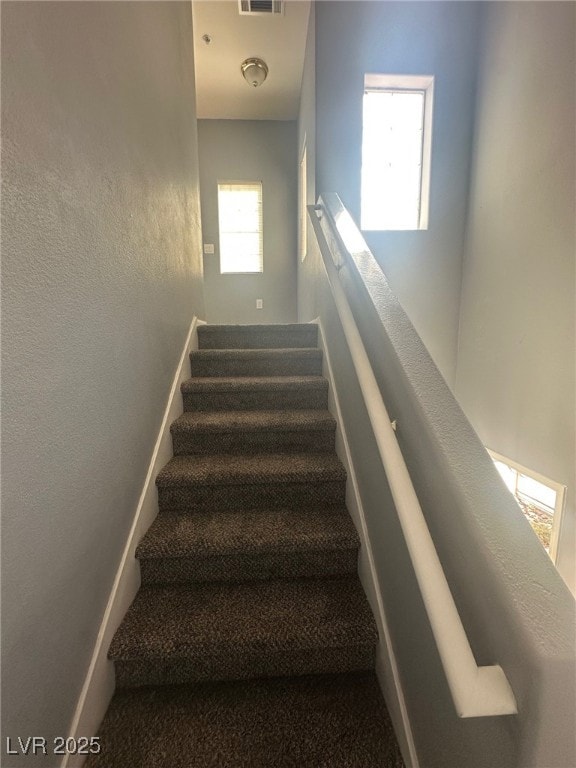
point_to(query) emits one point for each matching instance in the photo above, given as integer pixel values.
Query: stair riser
(253, 663)
(257, 496)
(307, 399)
(267, 338)
(189, 442)
(265, 366)
(246, 567)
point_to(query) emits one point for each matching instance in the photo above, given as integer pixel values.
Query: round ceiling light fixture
(254, 71)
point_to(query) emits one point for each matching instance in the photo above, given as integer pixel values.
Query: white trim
(99, 683)
(377, 81)
(386, 664)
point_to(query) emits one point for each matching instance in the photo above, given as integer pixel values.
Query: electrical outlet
(259, 304)
(208, 248)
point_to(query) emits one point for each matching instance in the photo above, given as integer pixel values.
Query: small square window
(240, 225)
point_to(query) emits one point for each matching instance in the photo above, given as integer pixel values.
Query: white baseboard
(99, 683)
(386, 664)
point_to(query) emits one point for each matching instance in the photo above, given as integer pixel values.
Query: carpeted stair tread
(318, 721)
(298, 431)
(237, 533)
(253, 421)
(240, 630)
(255, 393)
(259, 383)
(224, 469)
(232, 545)
(256, 362)
(257, 336)
(211, 623)
(257, 354)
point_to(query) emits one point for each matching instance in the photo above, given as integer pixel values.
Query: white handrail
(476, 691)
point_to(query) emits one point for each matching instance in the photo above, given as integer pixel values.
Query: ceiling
(280, 40)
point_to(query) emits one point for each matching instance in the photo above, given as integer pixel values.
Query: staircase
(250, 641)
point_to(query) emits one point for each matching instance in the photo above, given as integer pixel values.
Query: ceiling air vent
(260, 7)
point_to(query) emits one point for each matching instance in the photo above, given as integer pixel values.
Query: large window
(240, 224)
(396, 150)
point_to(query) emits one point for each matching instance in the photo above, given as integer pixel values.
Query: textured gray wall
(516, 366)
(514, 606)
(352, 38)
(101, 276)
(251, 150)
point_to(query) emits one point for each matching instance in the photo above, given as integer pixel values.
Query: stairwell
(250, 641)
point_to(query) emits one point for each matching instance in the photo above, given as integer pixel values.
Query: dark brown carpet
(251, 481)
(219, 631)
(250, 642)
(332, 721)
(241, 469)
(226, 545)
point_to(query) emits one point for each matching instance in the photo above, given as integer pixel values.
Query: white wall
(353, 38)
(251, 150)
(101, 276)
(516, 364)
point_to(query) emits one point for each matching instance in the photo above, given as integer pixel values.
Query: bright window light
(240, 224)
(541, 499)
(396, 147)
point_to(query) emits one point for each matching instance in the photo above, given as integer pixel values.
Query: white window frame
(247, 185)
(302, 212)
(558, 488)
(374, 82)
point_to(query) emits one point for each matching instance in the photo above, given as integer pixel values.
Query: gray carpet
(275, 431)
(216, 393)
(250, 641)
(257, 336)
(256, 362)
